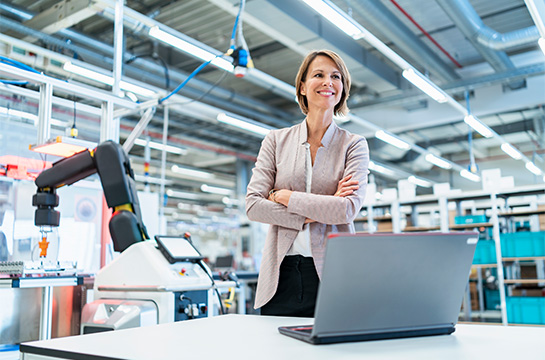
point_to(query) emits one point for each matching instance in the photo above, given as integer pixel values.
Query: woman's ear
(302, 89)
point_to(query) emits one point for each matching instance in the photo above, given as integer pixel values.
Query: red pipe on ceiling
(426, 33)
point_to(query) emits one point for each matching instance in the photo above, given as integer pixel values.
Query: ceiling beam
(348, 48)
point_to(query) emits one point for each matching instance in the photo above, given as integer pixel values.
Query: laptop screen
(373, 282)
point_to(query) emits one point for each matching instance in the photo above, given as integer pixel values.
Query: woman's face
(323, 85)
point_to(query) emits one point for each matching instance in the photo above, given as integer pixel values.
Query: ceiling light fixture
(159, 146)
(191, 172)
(420, 182)
(541, 43)
(478, 126)
(63, 146)
(216, 190)
(373, 166)
(190, 48)
(18, 113)
(437, 161)
(106, 79)
(392, 140)
(470, 176)
(511, 151)
(533, 168)
(537, 12)
(152, 180)
(182, 195)
(243, 124)
(337, 17)
(425, 85)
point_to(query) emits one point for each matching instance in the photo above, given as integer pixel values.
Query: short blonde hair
(341, 108)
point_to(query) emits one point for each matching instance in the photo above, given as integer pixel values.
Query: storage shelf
(530, 258)
(522, 213)
(470, 226)
(523, 281)
(375, 218)
(484, 265)
(421, 228)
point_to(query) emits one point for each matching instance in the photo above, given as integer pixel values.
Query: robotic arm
(112, 164)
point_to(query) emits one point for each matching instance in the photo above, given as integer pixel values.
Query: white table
(256, 337)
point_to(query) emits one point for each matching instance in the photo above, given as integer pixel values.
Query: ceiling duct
(388, 24)
(218, 96)
(471, 25)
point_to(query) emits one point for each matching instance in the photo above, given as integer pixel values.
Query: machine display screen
(177, 249)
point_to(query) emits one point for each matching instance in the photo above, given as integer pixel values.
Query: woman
(309, 181)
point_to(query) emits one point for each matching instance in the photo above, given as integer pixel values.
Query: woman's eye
(336, 77)
(318, 75)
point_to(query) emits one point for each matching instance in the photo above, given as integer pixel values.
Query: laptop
(387, 286)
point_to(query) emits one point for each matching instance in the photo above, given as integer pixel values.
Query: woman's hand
(281, 196)
(346, 186)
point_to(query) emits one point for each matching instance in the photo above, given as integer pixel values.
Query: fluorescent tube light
(89, 74)
(470, 176)
(226, 119)
(534, 169)
(182, 195)
(151, 180)
(425, 85)
(537, 12)
(106, 79)
(192, 172)
(419, 181)
(337, 17)
(381, 169)
(190, 48)
(478, 126)
(215, 190)
(159, 146)
(392, 140)
(437, 161)
(541, 43)
(136, 89)
(511, 151)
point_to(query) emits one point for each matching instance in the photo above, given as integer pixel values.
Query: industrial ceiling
(483, 53)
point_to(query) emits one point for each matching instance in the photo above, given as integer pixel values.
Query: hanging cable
(472, 167)
(74, 130)
(195, 72)
(239, 52)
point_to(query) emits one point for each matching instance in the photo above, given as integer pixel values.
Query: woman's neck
(317, 124)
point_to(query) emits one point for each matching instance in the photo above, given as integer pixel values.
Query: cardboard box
(528, 292)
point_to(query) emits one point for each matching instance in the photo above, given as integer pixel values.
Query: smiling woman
(309, 181)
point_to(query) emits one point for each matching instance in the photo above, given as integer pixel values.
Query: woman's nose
(327, 80)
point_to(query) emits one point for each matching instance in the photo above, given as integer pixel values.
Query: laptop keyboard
(303, 329)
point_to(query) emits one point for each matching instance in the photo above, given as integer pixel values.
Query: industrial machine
(111, 163)
(150, 282)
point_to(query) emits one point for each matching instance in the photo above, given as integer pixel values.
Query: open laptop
(384, 286)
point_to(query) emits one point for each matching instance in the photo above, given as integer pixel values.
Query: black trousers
(297, 289)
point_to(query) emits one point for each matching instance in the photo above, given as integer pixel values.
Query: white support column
(499, 260)
(443, 214)
(118, 46)
(46, 313)
(396, 217)
(370, 220)
(162, 220)
(44, 113)
(109, 127)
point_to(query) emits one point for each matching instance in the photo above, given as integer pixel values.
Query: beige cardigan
(281, 165)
